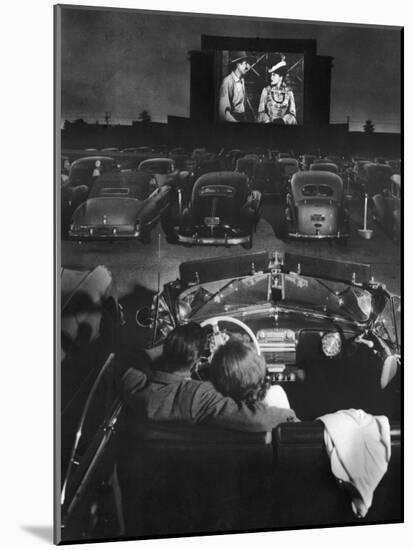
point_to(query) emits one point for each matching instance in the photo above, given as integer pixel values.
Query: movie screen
(260, 87)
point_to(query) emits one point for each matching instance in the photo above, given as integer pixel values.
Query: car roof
(383, 169)
(155, 161)
(288, 160)
(315, 177)
(167, 160)
(93, 159)
(224, 177)
(325, 166)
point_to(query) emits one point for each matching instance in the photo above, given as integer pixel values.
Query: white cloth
(359, 448)
(276, 397)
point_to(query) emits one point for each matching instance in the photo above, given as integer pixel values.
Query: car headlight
(331, 344)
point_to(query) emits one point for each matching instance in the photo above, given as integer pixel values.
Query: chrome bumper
(318, 237)
(213, 240)
(97, 236)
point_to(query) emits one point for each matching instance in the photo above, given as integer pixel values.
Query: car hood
(112, 209)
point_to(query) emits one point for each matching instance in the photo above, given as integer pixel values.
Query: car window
(325, 191)
(114, 192)
(157, 168)
(309, 190)
(217, 191)
(136, 190)
(317, 190)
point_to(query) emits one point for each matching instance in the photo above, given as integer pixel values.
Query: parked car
(325, 167)
(376, 178)
(163, 169)
(335, 160)
(85, 170)
(247, 165)
(204, 166)
(395, 165)
(323, 328)
(287, 166)
(267, 178)
(121, 205)
(222, 210)
(110, 150)
(315, 207)
(387, 207)
(305, 161)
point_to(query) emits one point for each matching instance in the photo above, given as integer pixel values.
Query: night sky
(126, 61)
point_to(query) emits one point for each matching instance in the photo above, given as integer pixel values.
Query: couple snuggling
(236, 396)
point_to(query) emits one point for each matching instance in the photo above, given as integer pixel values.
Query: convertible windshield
(326, 297)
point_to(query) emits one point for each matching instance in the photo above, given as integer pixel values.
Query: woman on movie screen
(277, 102)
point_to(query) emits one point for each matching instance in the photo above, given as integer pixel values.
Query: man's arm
(225, 102)
(212, 408)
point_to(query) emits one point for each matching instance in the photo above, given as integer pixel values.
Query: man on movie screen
(233, 99)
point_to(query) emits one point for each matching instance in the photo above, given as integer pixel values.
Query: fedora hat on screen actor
(238, 57)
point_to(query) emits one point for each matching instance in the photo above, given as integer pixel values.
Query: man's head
(183, 347)
(241, 62)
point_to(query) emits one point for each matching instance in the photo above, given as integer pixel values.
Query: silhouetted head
(237, 371)
(183, 347)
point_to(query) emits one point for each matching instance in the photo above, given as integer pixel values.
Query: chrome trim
(96, 236)
(213, 240)
(318, 237)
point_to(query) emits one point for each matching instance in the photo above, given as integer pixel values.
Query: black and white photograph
(229, 242)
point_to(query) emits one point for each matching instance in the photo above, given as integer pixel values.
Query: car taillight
(331, 344)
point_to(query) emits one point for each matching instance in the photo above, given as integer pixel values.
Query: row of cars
(329, 334)
(206, 204)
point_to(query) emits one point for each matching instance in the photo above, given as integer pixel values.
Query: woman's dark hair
(237, 371)
(183, 346)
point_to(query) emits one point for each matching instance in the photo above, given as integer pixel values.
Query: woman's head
(237, 371)
(278, 72)
(183, 347)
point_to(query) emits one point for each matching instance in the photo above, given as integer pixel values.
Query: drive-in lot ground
(133, 263)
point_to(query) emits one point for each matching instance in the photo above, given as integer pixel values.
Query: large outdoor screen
(260, 87)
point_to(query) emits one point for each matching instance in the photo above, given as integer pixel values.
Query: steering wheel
(220, 338)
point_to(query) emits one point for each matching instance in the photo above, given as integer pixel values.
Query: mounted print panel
(228, 199)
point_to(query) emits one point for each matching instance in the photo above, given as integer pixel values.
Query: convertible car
(121, 205)
(223, 210)
(330, 335)
(315, 207)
